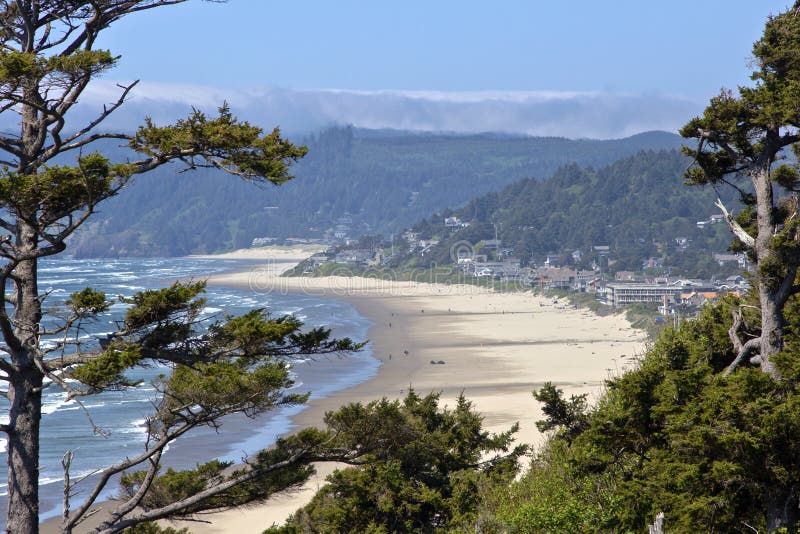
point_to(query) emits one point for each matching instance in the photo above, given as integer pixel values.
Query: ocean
(121, 414)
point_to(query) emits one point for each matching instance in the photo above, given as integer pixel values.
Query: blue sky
(685, 50)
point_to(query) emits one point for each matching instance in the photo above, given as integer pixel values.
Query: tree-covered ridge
(638, 206)
(383, 180)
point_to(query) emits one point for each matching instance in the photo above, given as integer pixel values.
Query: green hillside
(638, 206)
(382, 180)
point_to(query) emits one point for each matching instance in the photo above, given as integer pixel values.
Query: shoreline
(497, 348)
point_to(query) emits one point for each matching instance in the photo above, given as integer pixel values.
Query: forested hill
(638, 206)
(382, 180)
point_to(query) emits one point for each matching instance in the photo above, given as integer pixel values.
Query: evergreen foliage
(638, 206)
(741, 145)
(422, 469)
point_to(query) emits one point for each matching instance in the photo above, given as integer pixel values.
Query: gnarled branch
(743, 349)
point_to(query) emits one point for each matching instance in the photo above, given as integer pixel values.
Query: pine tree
(740, 144)
(48, 59)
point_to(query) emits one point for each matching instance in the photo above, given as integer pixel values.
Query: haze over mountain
(571, 114)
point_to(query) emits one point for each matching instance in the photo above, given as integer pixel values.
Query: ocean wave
(66, 408)
(138, 426)
(124, 277)
(62, 281)
(51, 403)
(66, 269)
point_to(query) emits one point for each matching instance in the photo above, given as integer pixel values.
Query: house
(319, 258)
(722, 259)
(682, 242)
(454, 223)
(737, 282)
(263, 241)
(291, 241)
(354, 257)
(552, 261)
(559, 278)
(698, 298)
(595, 285)
(652, 263)
(714, 219)
(667, 306)
(426, 245)
(340, 231)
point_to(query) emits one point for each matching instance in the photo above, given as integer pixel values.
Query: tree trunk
(770, 278)
(25, 395)
(25, 391)
(782, 510)
(772, 325)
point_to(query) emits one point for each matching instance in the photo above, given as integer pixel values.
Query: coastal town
(490, 261)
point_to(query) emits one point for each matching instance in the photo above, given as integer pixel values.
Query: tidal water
(121, 414)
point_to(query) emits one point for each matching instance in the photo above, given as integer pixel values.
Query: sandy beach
(496, 348)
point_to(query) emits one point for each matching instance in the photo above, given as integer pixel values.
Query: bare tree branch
(80, 514)
(126, 507)
(740, 233)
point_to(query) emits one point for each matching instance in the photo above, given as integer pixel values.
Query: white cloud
(571, 114)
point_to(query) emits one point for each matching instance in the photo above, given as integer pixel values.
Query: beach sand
(269, 254)
(496, 348)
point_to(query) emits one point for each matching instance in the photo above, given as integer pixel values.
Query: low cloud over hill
(595, 115)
